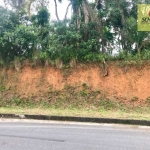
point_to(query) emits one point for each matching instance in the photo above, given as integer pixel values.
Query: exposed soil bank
(127, 83)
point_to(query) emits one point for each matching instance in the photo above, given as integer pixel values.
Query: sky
(61, 9)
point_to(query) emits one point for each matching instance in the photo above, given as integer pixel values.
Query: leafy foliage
(95, 32)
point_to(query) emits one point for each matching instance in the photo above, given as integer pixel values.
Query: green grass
(140, 113)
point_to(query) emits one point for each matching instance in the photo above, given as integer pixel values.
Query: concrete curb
(78, 119)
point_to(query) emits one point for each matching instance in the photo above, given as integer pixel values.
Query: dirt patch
(131, 86)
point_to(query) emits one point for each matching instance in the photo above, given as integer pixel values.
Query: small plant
(107, 104)
(2, 88)
(134, 99)
(148, 99)
(17, 101)
(45, 104)
(84, 93)
(84, 84)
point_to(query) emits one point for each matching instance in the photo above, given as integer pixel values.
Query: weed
(17, 101)
(44, 104)
(148, 99)
(83, 93)
(2, 88)
(108, 104)
(84, 85)
(134, 99)
(9, 88)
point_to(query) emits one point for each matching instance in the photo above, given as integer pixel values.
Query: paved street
(57, 136)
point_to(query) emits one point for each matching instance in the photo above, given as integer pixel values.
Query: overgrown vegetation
(69, 97)
(96, 31)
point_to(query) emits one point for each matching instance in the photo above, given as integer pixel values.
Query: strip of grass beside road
(136, 114)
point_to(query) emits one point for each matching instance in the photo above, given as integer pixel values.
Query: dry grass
(81, 113)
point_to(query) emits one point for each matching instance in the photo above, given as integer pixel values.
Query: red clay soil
(133, 83)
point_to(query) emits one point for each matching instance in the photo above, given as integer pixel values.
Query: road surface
(68, 136)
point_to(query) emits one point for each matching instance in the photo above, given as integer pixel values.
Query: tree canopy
(96, 31)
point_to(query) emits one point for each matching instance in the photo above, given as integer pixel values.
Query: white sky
(61, 9)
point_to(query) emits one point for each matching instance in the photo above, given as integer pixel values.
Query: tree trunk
(86, 13)
(67, 11)
(56, 11)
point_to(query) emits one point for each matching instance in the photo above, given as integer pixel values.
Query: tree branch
(56, 11)
(67, 11)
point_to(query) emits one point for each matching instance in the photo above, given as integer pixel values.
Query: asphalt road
(60, 136)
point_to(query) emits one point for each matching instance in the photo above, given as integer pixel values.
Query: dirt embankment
(125, 83)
